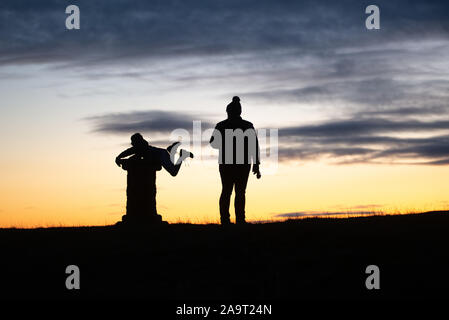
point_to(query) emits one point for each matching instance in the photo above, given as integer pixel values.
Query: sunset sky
(362, 114)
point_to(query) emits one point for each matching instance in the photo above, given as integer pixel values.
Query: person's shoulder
(221, 124)
(247, 124)
(233, 124)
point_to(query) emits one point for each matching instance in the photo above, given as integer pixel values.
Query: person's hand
(256, 171)
(118, 161)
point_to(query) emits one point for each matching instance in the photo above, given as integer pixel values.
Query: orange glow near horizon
(91, 192)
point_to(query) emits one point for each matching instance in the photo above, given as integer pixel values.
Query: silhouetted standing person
(238, 147)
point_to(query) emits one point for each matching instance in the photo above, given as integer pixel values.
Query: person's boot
(161, 221)
(241, 222)
(184, 154)
(225, 221)
(174, 145)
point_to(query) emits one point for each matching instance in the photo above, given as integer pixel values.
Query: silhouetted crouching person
(238, 147)
(141, 166)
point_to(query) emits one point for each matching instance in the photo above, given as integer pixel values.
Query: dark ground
(312, 259)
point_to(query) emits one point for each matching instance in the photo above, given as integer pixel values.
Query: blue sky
(304, 63)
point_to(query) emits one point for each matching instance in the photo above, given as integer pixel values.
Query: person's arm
(256, 158)
(124, 154)
(215, 139)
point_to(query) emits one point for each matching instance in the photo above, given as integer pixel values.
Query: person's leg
(242, 174)
(227, 184)
(167, 159)
(167, 163)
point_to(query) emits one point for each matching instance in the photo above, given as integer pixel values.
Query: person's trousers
(167, 163)
(233, 176)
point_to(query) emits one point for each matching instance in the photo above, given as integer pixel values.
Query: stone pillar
(140, 191)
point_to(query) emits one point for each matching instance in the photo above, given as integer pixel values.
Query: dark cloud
(356, 127)
(407, 112)
(114, 30)
(370, 92)
(354, 140)
(153, 121)
(362, 206)
(368, 140)
(435, 147)
(320, 214)
(303, 153)
(438, 162)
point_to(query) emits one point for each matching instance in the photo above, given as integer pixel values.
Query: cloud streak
(361, 127)
(152, 121)
(362, 139)
(113, 30)
(312, 214)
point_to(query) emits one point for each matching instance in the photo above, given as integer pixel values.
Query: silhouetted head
(234, 109)
(138, 141)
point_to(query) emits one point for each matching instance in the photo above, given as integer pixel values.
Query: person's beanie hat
(234, 108)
